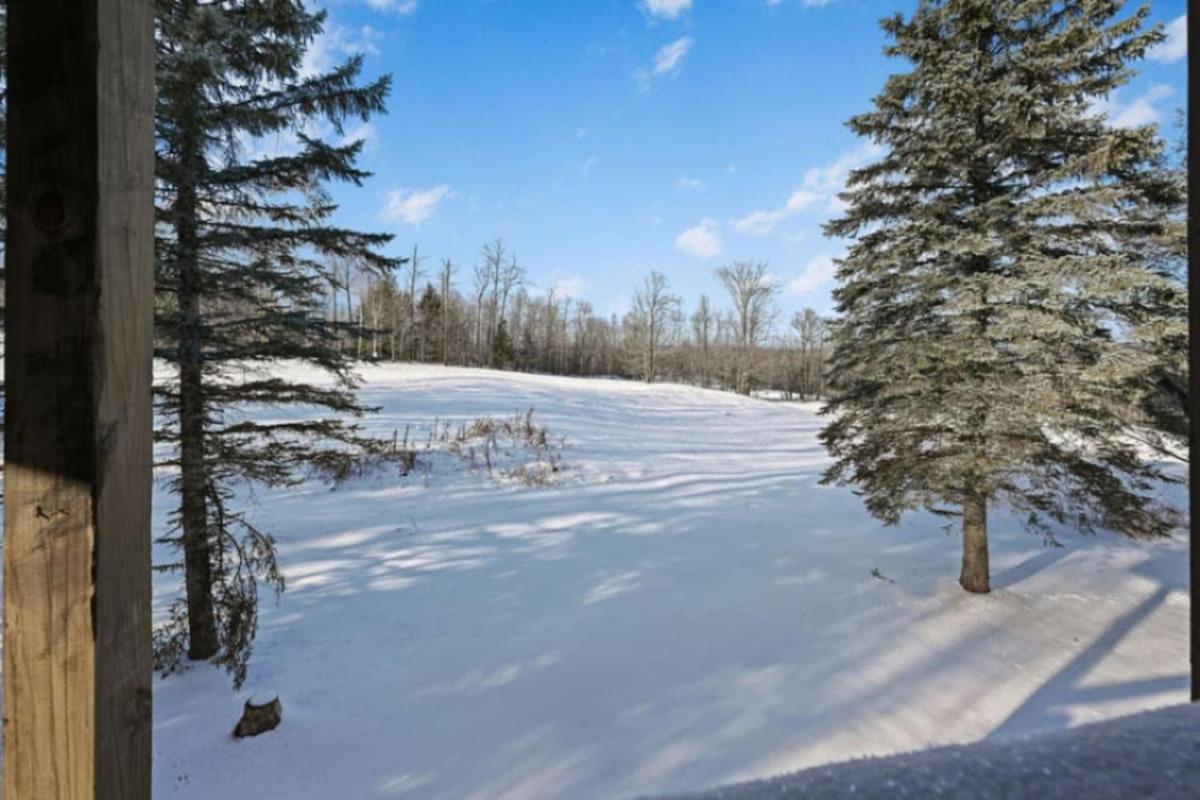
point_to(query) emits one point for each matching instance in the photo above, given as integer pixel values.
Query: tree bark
(975, 575)
(202, 630)
(258, 718)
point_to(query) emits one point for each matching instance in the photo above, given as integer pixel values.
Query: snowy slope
(686, 607)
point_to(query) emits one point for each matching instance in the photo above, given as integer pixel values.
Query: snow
(1151, 754)
(685, 606)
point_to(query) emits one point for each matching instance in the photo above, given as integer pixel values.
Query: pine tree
(1009, 274)
(1164, 389)
(430, 311)
(502, 346)
(245, 239)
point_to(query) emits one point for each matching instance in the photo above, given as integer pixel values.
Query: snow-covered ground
(686, 606)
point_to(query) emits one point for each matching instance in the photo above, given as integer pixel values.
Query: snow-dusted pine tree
(244, 155)
(1009, 276)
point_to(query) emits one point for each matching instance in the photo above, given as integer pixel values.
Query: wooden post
(79, 297)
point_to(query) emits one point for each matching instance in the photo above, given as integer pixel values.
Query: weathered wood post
(79, 294)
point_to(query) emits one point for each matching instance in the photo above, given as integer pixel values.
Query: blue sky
(606, 138)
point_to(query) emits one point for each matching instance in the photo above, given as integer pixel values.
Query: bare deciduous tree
(752, 289)
(410, 325)
(702, 328)
(654, 309)
(810, 333)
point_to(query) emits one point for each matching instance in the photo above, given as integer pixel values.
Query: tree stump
(258, 719)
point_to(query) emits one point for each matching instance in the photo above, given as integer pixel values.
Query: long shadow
(1028, 568)
(1047, 708)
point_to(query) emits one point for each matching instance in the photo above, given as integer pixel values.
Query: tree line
(422, 313)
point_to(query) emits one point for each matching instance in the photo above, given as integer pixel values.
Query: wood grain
(79, 296)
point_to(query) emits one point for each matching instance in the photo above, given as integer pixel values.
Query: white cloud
(668, 61)
(669, 58)
(1140, 111)
(335, 44)
(820, 189)
(759, 223)
(1175, 47)
(666, 9)
(689, 184)
(399, 6)
(818, 272)
(414, 206)
(569, 285)
(803, 199)
(589, 163)
(364, 133)
(703, 241)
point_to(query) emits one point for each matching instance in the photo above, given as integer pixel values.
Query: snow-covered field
(686, 606)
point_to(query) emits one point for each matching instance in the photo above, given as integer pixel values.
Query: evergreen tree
(1009, 273)
(430, 310)
(1164, 389)
(245, 239)
(502, 346)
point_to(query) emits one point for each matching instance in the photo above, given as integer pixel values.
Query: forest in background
(492, 316)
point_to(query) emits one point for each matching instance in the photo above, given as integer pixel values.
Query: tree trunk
(975, 574)
(445, 322)
(258, 718)
(202, 630)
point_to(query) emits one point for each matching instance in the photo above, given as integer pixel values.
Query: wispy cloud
(666, 9)
(689, 184)
(398, 6)
(569, 285)
(365, 133)
(818, 191)
(1142, 110)
(702, 241)
(762, 222)
(414, 206)
(667, 62)
(335, 44)
(818, 272)
(1175, 47)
